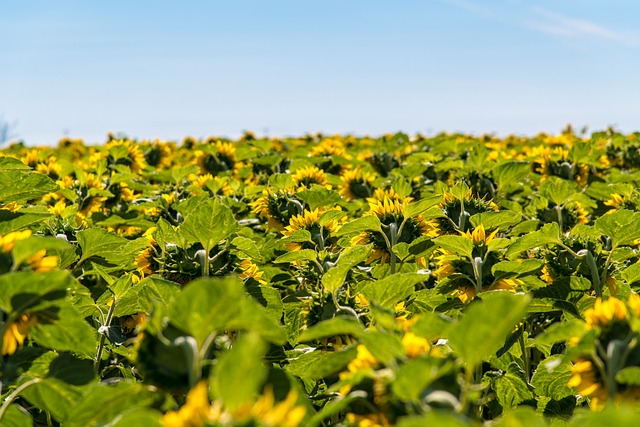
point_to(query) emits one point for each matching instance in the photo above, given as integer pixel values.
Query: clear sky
(167, 69)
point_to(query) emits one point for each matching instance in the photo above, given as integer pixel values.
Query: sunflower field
(450, 280)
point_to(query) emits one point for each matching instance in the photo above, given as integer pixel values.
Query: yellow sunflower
(16, 332)
(308, 175)
(390, 212)
(357, 184)
(310, 221)
(127, 153)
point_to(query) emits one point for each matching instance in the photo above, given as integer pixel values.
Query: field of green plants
(449, 280)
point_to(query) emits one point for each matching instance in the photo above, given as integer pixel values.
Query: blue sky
(169, 69)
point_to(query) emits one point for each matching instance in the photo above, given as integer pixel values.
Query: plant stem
(15, 394)
(103, 336)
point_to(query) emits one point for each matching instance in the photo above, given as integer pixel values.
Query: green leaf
(23, 292)
(209, 305)
(11, 164)
(549, 234)
(384, 347)
(301, 255)
(392, 289)
(478, 336)
(623, 226)
(209, 224)
(501, 220)
(21, 186)
(333, 279)
(314, 364)
(414, 376)
(65, 330)
(629, 375)
(416, 208)
(240, 372)
(281, 181)
(54, 396)
(23, 219)
(318, 196)
(516, 268)
(551, 378)
(508, 173)
(512, 388)
(16, 416)
(104, 403)
(331, 328)
(458, 245)
(269, 298)
(558, 190)
(561, 332)
(97, 242)
(248, 247)
(366, 223)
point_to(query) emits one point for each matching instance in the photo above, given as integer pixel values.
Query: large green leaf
(458, 245)
(97, 242)
(331, 328)
(511, 388)
(477, 335)
(65, 330)
(209, 224)
(105, 403)
(366, 223)
(21, 186)
(551, 378)
(549, 234)
(24, 218)
(209, 305)
(392, 289)
(240, 372)
(55, 396)
(413, 377)
(25, 292)
(623, 226)
(350, 257)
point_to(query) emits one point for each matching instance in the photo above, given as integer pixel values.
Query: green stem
(103, 335)
(393, 231)
(525, 355)
(15, 394)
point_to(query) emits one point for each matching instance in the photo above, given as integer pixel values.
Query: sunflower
(73, 148)
(217, 158)
(357, 184)
(16, 332)
(50, 167)
(548, 161)
(195, 412)
(457, 210)
(308, 175)
(249, 270)
(390, 212)
(586, 379)
(606, 312)
(460, 277)
(90, 201)
(127, 153)
(159, 154)
(277, 207)
(146, 262)
(310, 221)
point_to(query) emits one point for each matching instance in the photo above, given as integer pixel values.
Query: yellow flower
(194, 413)
(16, 332)
(634, 304)
(604, 313)
(250, 270)
(308, 175)
(370, 420)
(584, 380)
(363, 360)
(282, 414)
(356, 184)
(7, 242)
(41, 263)
(479, 237)
(414, 345)
(11, 207)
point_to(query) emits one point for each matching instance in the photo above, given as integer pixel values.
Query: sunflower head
(16, 332)
(217, 158)
(159, 154)
(308, 175)
(464, 204)
(357, 184)
(126, 153)
(310, 221)
(277, 207)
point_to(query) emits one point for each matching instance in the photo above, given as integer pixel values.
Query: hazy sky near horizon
(159, 69)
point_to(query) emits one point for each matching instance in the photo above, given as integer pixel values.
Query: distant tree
(6, 130)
